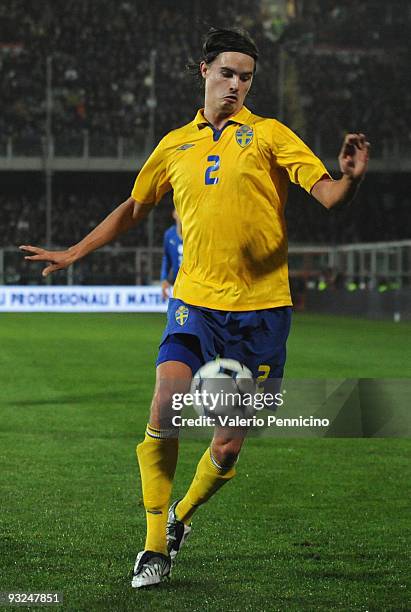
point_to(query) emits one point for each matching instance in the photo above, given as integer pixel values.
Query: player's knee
(172, 383)
(226, 453)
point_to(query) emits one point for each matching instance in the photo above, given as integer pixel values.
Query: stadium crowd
(380, 213)
(338, 76)
(342, 68)
(86, 44)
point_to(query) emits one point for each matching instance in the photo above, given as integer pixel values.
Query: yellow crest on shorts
(181, 315)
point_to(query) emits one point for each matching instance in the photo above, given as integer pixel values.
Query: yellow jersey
(230, 189)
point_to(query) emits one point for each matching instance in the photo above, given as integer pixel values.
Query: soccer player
(172, 256)
(229, 170)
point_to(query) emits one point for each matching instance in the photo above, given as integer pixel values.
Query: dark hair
(218, 40)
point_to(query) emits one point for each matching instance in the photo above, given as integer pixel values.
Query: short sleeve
(152, 181)
(303, 167)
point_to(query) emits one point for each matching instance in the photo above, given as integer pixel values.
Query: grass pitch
(315, 524)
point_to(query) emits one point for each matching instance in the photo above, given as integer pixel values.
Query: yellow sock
(208, 479)
(157, 458)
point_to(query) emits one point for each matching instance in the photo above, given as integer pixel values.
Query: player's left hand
(165, 289)
(354, 155)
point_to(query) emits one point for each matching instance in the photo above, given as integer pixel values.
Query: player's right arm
(123, 218)
(151, 184)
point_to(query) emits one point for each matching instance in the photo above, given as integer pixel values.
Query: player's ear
(203, 69)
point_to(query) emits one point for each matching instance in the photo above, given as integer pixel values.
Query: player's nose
(234, 83)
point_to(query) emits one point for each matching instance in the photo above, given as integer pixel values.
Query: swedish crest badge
(244, 135)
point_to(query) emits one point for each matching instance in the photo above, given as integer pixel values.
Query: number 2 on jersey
(212, 180)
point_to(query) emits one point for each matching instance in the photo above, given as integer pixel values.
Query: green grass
(325, 529)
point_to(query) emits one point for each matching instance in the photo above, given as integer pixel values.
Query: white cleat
(150, 568)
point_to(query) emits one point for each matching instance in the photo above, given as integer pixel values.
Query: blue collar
(216, 133)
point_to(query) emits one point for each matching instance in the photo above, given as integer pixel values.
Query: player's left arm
(353, 160)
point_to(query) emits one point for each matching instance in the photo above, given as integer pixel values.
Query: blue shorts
(255, 338)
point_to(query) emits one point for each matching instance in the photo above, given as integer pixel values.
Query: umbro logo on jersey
(184, 147)
(244, 135)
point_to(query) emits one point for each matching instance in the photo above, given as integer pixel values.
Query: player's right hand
(58, 260)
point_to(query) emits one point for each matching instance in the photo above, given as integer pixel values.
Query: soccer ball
(223, 387)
